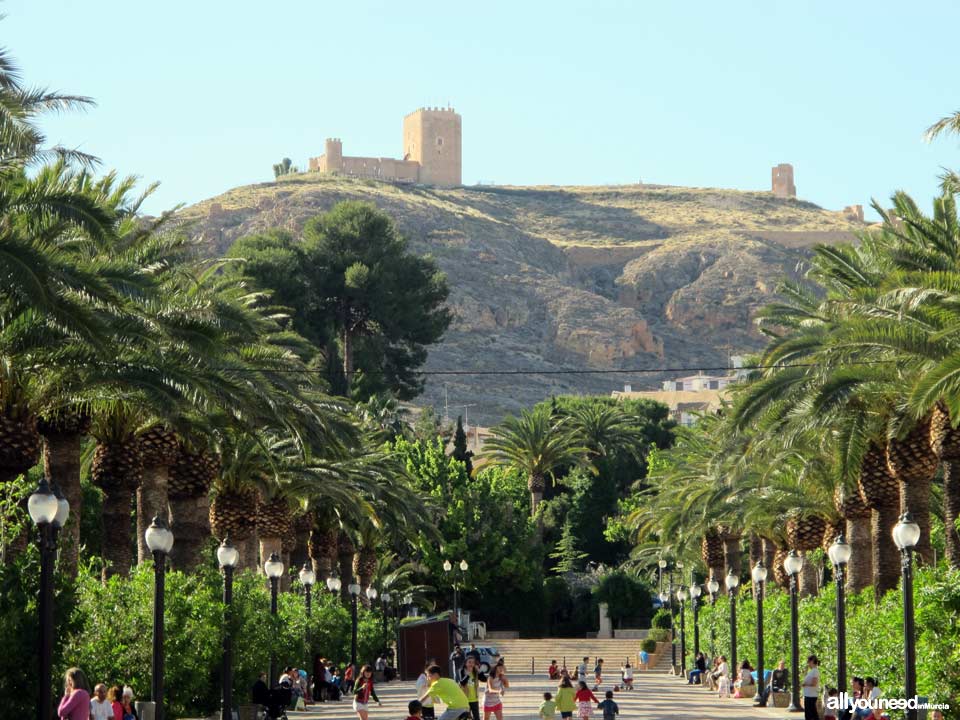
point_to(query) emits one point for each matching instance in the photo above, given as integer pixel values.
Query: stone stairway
(534, 656)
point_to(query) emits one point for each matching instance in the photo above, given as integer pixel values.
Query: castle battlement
(431, 152)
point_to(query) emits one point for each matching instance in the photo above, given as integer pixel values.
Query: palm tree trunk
(731, 557)
(248, 547)
(808, 577)
(347, 340)
(191, 529)
(886, 557)
(117, 526)
(287, 567)
(61, 463)
(346, 574)
(151, 501)
(756, 549)
(860, 567)
(951, 510)
(915, 499)
(768, 551)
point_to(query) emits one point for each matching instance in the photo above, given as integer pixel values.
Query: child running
(626, 672)
(493, 698)
(609, 707)
(566, 698)
(598, 674)
(363, 691)
(585, 701)
(548, 708)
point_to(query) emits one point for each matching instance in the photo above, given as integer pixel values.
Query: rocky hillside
(550, 278)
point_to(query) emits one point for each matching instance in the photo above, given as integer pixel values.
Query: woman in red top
(115, 696)
(584, 698)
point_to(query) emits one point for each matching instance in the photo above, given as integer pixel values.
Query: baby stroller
(277, 703)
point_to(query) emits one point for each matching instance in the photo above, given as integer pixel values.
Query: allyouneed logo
(843, 701)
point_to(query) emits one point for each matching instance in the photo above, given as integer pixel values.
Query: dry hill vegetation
(546, 278)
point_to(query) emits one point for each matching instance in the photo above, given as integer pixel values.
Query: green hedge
(874, 633)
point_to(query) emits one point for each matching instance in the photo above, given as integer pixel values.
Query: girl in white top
(492, 699)
(811, 689)
(423, 682)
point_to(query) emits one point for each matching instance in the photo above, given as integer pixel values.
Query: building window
(678, 385)
(714, 384)
(439, 142)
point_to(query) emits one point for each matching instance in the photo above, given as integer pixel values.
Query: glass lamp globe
(333, 584)
(63, 507)
(695, 591)
(371, 593)
(408, 599)
(158, 536)
(731, 581)
(906, 533)
(273, 567)
(227, 555)
(713, 586)
(42, 504)
(679, 564)
(759, 573)
(840, 551)
(354, 589)
(447, 567)
(793, 563)
(681, 594)
(662, 563)
(386, 597)
(664, 597)
(307, 575)
(463, 565)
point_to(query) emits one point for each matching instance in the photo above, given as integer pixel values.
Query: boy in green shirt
(447, 692)
(548, 708)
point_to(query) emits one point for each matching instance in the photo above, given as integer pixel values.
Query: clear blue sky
(208, 94)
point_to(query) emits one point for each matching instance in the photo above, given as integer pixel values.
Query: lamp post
(673, 625)
(159, 540)
(906, 534)
(713, 587)
(793, 564)
(308, 579)
(227, 557)
(731, 581)
(759, 577)
(448, 568)
(695, 591)
(681, 597)
(839, 554)
(385, 598)
(44, 510)
(354, 590)
(333, 584)
(273, 568)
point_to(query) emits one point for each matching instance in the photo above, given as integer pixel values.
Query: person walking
(598, 674)
(363, 692)
(75, 704)
(585, 701)
(493, 697)
(470, 682)
(566, 698)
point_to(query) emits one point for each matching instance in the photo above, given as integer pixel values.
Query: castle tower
(432, 137)
(333, 155)
(781, 182)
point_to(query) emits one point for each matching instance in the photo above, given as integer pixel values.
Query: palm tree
(537, 444)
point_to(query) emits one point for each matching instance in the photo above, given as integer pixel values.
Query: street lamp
(273, 568)
(695, 591)
(759, 577)
(793, 564)
(839, 554)
(682, 596)
(448, 567)
(408, 601)
(44, 509)
(227, 557)
(308, 579)
(354, 590)
(906, 534)
(333, 584)
(731, 581)
(385, 598)
(159, 540)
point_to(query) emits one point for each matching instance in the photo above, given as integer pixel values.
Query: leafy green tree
(626, 597)
(284, 167)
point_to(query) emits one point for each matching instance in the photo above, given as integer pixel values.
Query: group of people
(462, 694)
(555, 672)
(78, 703)
(745, 684)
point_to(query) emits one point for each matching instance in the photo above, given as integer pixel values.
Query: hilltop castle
(431, 153)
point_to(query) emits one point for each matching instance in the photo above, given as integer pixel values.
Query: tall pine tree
(460, 451)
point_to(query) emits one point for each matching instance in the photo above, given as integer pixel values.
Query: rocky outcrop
(632, 277)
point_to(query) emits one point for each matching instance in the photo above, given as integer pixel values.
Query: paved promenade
(657, 696)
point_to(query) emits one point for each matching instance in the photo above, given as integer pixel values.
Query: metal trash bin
(146, 709)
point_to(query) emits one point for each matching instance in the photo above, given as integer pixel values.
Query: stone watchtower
(432, 137)
(782, 181)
